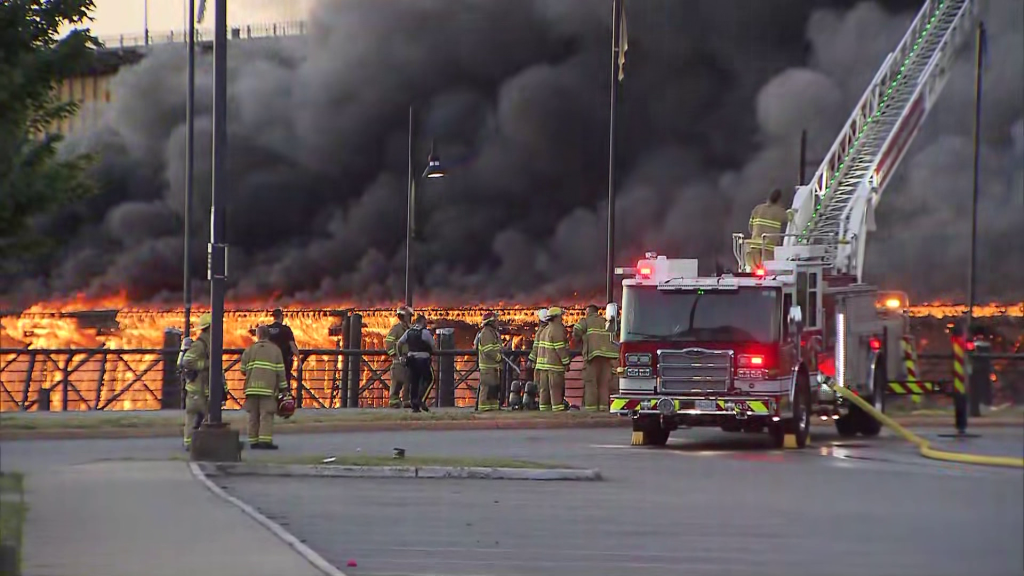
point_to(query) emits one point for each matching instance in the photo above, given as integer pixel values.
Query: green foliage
(34, 60)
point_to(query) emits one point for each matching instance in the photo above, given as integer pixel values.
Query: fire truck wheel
(867, 423)
(800, 425)
(847, 426)
(647, 431)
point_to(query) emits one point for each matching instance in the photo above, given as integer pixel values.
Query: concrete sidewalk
(154, 518)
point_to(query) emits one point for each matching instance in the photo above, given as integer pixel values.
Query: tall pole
(217, 249)
(802, 172)
(610, 260)
(145, 22)
(190, 97)
(978, 66)
(410, 210)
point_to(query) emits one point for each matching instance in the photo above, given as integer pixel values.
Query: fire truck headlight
(638, 359)
(667, 406)
(634, 372)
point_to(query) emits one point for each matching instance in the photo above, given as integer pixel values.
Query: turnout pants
(490, 385)
(261, 411)
(597, 381)
(196, 406)
(419, 378)
(552, 390)
(399, 383)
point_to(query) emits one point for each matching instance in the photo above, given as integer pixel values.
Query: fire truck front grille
(695, 369)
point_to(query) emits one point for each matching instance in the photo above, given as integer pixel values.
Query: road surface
(710, 503)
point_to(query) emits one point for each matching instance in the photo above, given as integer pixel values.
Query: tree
(34, 60)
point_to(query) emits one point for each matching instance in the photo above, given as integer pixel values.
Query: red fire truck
(762, 349)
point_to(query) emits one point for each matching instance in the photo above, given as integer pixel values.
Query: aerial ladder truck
(763, 348)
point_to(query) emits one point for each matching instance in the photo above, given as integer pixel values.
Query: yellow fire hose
(926, 450)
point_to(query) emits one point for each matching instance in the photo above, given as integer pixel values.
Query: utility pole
(217, 250)
(190, 97)
(410, 213)
(617, 45)
(979, 65)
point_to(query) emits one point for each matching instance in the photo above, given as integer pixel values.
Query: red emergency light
(875, 344)
(643, 269)
(759, 272)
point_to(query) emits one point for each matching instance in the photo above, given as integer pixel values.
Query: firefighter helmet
(488, 318)
(205, 320)
(285, 406)
(554, 311)
(404, 311)
(542, 314)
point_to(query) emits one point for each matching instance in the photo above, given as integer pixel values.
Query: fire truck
(761, 349)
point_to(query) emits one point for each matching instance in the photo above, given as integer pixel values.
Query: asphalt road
(711, 503)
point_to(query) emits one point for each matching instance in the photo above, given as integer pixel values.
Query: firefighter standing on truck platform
(196, 364)
(599, 358)
(263, 367)
(769, 218)
(489, 354)
(399, 371)
(552, 362)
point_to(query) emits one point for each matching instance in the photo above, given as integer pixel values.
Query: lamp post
(979, 64)
(618, 59)
(217, 250)
(433, 170)
(190, 97)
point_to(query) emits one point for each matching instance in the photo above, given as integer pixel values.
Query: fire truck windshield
(744, 315)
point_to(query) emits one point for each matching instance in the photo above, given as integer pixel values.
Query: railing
(245, 32)
(108, 379)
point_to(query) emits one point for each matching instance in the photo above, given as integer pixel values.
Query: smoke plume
(513, 95)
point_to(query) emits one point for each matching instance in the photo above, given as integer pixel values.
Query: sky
(115, 17)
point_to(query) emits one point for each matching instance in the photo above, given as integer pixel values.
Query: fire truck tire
(866, 423)
(800, 424)
(647, 431)
(847, 426)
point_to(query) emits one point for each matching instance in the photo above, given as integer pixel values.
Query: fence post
(959, 384)
(355, 363)
(979, 379)
(446, 369)
(170, 399)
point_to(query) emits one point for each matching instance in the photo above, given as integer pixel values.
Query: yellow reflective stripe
(254, 391)
(263, 364)
(766, 222)
(619, 404)
(551, 345)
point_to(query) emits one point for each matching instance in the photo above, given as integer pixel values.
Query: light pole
(618, 60)
(190, 97)
(979, 66)
(217, 250)
(433, 170)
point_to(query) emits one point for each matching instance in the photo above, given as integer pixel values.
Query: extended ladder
(836, 208)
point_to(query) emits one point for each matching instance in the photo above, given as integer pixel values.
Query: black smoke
(514, 95)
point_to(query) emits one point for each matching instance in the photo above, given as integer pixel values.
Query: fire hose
(923, 445)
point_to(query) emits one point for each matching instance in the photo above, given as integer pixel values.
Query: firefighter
(281, 335)
(489, 354)
(768, 218)
(264, 369)
(399, 371)
(196, 364)
(419, 345)
(552, 362)
(599, 356)
(530, 400)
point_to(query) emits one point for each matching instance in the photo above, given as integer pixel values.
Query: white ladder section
(836, 208)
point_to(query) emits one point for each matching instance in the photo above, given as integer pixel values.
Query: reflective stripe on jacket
(391, 340)
(552, 350)
(197, 359)
(768, 219)
(597, 341)
(263, 367)
(488, 348)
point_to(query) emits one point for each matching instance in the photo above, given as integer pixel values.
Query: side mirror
(796, 317)
(611, 311)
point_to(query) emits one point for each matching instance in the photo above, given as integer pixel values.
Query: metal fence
(106, 379)
(146, 379)
(245, 32)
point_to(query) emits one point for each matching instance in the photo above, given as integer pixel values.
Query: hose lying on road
(926, 450)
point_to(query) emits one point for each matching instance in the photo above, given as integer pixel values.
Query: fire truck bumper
(737, 406)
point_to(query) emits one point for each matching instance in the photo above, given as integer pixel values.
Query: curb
(306, 552)
(432, 472)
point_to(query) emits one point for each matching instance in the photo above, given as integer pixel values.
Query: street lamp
(433, 170)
